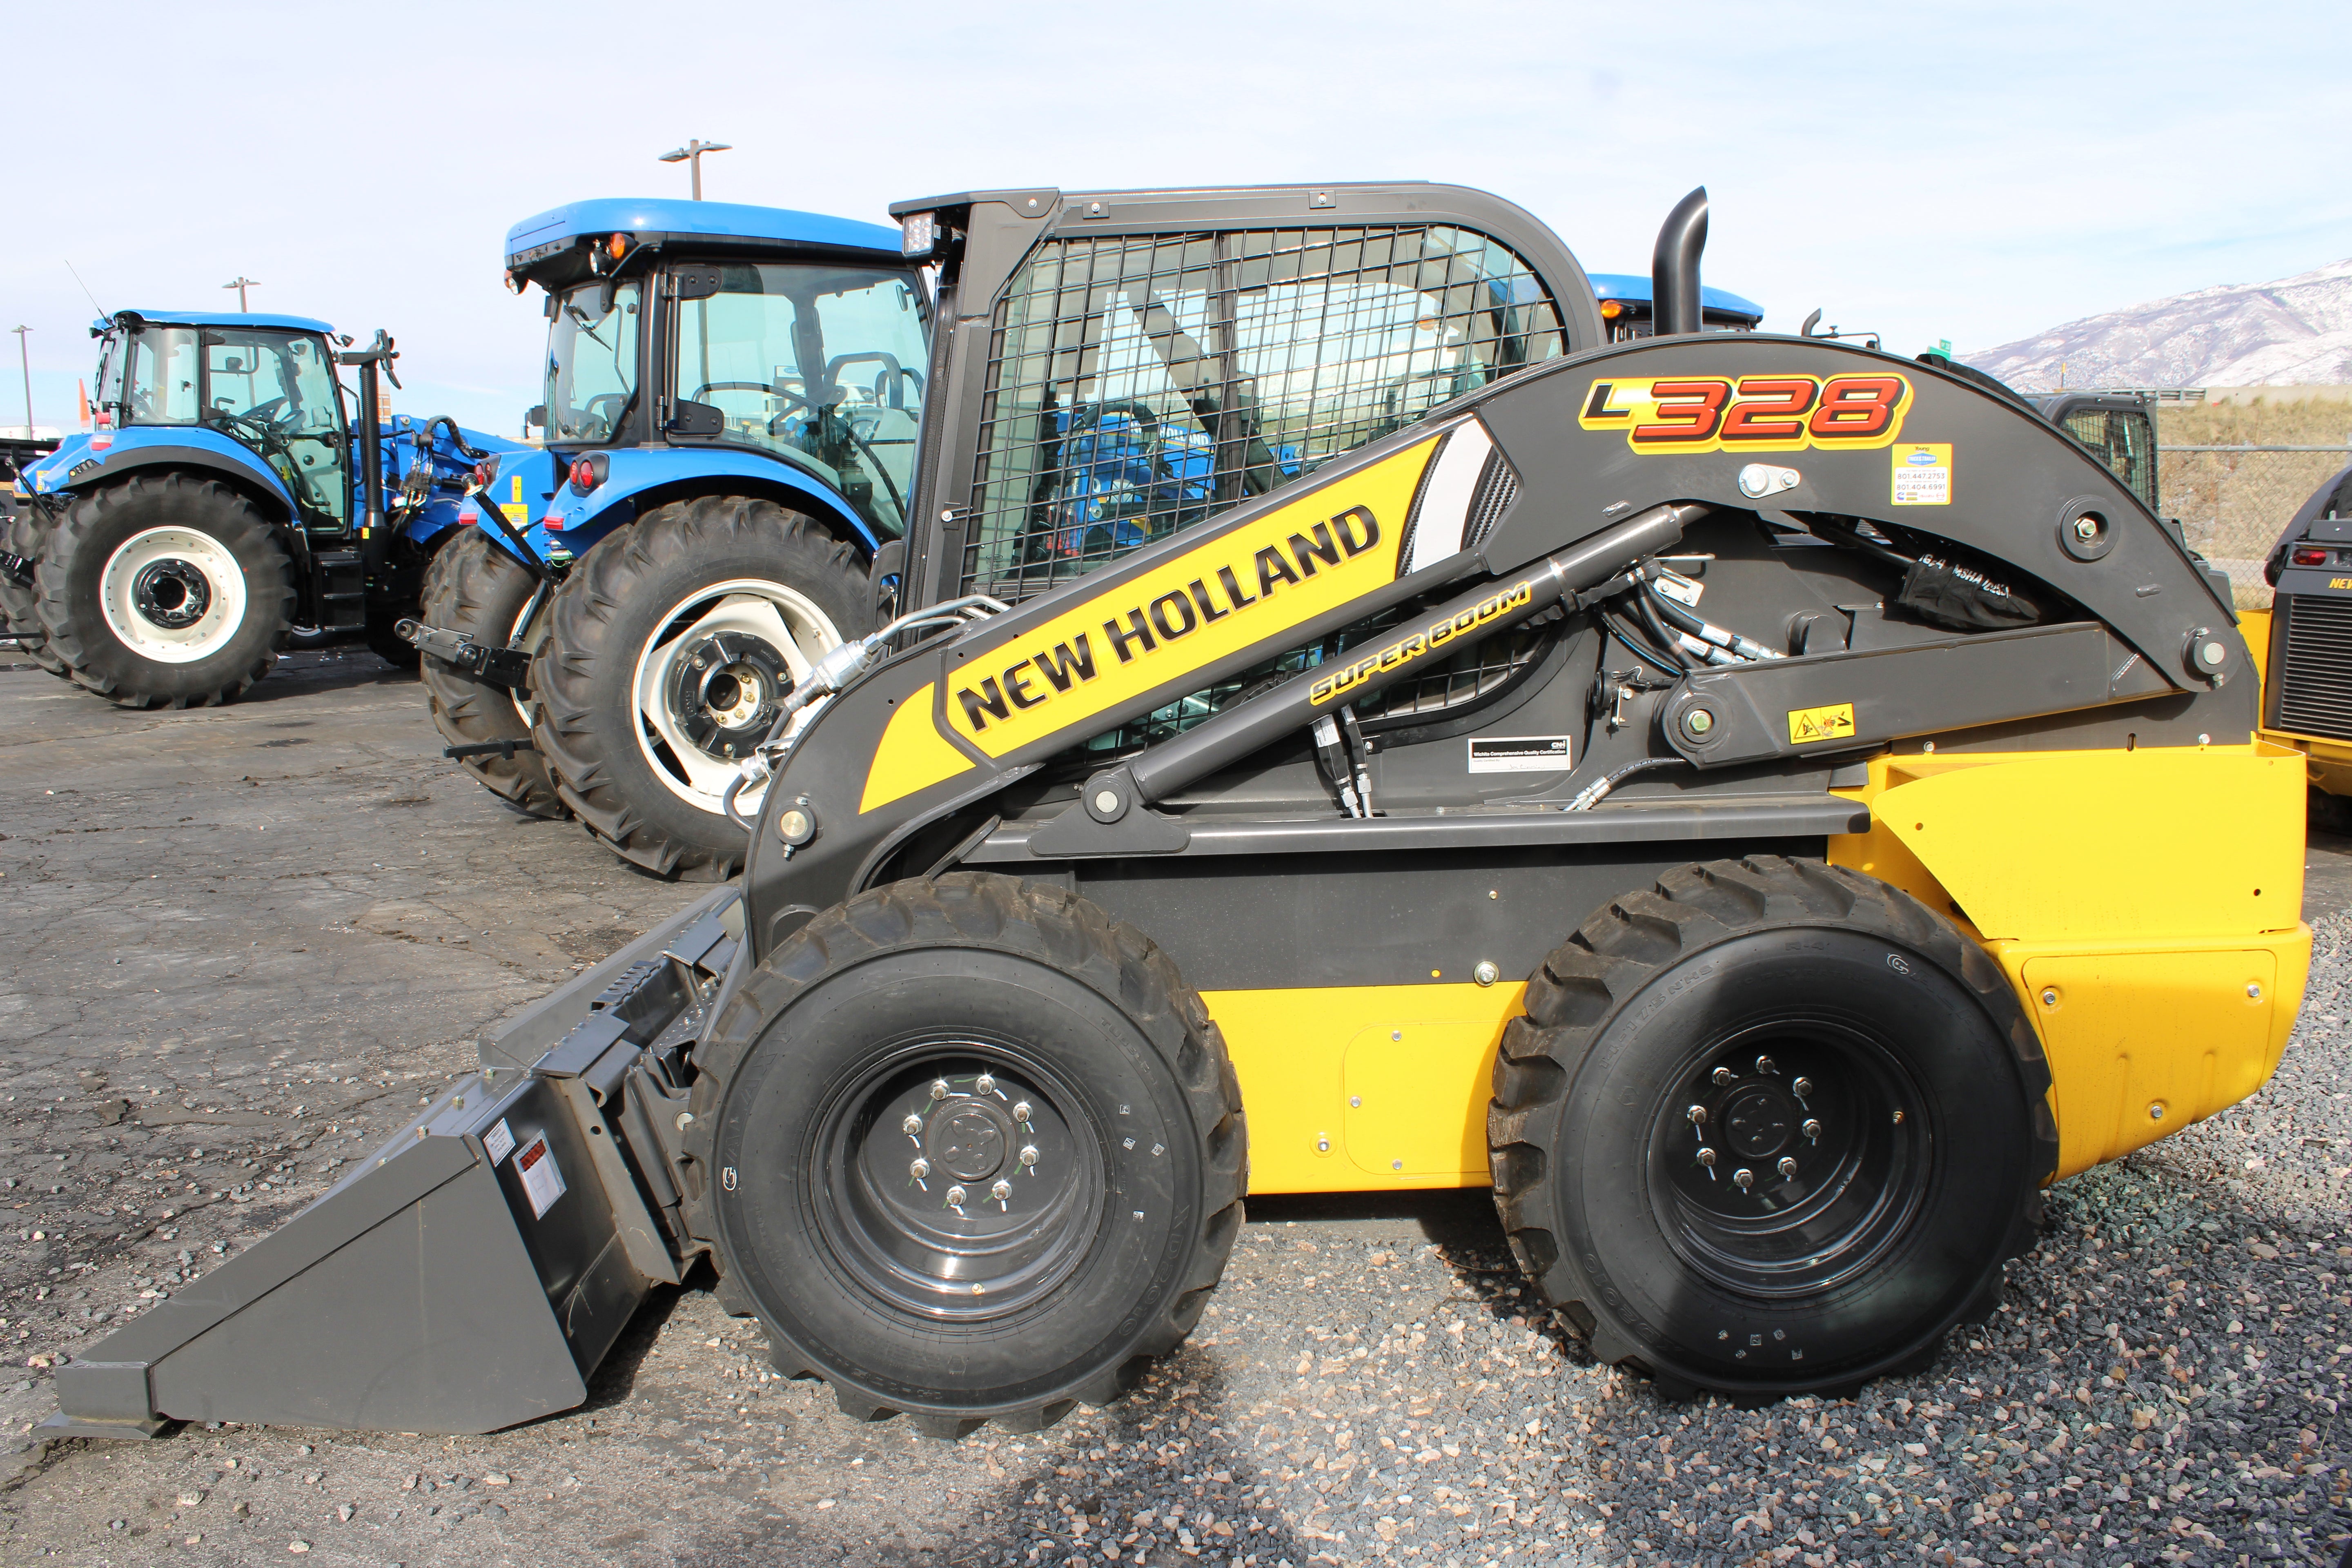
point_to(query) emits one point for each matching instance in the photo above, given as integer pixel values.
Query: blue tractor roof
(648, 216)
(221, 319)
(1634, 289)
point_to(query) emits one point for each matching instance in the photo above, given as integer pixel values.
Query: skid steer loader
(1766, 806)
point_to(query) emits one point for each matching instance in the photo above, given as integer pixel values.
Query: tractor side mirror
(537, 418)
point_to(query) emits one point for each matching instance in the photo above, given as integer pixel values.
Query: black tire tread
(1050, 926)
(1580, 987)
(182, 493)
(462, 585)
(572, 735)
(20, 611)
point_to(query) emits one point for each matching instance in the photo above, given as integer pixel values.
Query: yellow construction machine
(1767, 807)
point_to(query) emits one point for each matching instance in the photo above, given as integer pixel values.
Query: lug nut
(984, 1084)
(2086, 528)
(1788, 1167)
(1743, 1178)
(1020, 1111)
(1764, 1065)
(1029, 1153)
(912, 1125)
(1812, 1131)
(955, 1197)
(918, 1169)
(1002, 1189)
(1706, 1158)
(1725, 1074)
(1697, 1114)
(938, 1088)
(1802, 1086)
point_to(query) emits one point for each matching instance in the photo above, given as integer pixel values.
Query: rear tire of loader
(23, 537)
(475, 586)
(1864, 1066)
(1084, 1237)
(691, 625)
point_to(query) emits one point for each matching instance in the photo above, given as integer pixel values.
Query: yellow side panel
(2070, 845)
(2254, 625)
(2147, 905)
(1353, 1089)
(911, 756)
(2143, 1044)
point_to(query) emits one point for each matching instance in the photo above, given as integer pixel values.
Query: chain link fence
(2235, 474)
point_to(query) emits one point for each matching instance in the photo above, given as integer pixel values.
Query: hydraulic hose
(1707, 631)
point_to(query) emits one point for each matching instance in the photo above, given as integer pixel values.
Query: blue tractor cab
(225, 504)
(732, 395)
(1626, 312)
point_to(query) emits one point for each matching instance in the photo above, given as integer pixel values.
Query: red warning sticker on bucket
(542, 1182)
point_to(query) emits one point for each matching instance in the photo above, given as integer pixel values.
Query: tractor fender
(196, 450)
(644, 479)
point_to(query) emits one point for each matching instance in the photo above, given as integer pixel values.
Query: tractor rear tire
(475, 586)
(18, 604)
(166, 591)
(693, 580)
(903, 1074)
(1771, 1129)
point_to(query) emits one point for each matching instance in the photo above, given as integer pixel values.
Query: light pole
(241, 285)
(25, 355)
(691, 155)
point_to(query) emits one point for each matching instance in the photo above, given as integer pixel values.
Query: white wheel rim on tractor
(159, 576)
(742, 614)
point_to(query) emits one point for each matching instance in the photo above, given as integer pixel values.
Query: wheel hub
(170, 593)
(726, 690)
(1788, 1157)
(960, 1185)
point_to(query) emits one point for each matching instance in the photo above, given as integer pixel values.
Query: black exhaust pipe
(1674, 267)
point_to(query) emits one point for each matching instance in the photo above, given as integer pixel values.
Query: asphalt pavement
(244, 942)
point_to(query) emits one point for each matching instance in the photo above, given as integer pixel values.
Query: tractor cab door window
(166, 378)
(108, 387)
(276, 394)
(823, 365)
(592, 364)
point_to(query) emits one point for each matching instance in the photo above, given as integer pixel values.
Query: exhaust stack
(1674, 267)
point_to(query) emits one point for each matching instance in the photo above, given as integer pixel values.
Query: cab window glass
(591, 363)
(276, 393)
(824, 364)
(166, 378)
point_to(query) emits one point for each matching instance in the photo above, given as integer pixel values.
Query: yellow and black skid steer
(1767, 807)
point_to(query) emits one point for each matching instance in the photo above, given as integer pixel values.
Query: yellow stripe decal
(911, 756)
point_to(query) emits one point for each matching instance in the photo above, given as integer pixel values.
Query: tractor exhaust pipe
(1674, 267)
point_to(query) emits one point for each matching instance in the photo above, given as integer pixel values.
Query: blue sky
(1972, 172)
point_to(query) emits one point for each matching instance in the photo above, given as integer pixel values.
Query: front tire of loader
(970, 1150)
(669, 648)
(1770, 1129)
(473, 585)
(166, 591)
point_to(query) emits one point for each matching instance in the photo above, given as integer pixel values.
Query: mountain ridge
(2291, 331)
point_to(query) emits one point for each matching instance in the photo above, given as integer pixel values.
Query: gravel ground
(2164, 1384)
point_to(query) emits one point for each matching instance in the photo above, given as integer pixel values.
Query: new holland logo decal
(1749, 413)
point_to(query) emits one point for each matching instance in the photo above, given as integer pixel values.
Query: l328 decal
(1749, 413)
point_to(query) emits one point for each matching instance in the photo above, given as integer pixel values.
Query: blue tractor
(224, 506)
(732, 399)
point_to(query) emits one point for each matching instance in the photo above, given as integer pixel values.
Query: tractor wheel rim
(961, 1179)
(1791, 1157)
(172, 594)
(695, 725)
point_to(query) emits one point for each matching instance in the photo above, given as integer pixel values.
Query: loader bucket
(475, 1270)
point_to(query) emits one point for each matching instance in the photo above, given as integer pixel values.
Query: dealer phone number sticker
(1923, 474)
(542, 1182)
